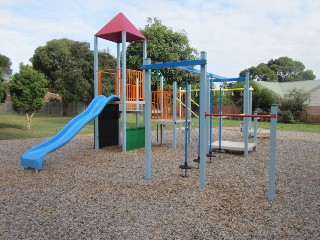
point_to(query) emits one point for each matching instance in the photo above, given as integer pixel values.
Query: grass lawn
(12, 126)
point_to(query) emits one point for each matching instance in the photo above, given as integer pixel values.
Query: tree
(164, 45)
(261, 73)
(68, 66)
(5, 73)
(283, 69)
(27, 90)
(293, 104)
(261, 97)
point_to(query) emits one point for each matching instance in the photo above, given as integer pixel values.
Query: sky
(236, 34)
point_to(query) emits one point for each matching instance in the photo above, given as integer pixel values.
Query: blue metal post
(95, 75)
(186, 133)
(273, 154)
(147, 120)
(202, 120)
(174, 130)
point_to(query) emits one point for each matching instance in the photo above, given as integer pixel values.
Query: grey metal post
(246, 119)
(147, 120)
(250, 106)
(255, 133)
(124, 92)
(207, 111)
(161, 109)
(273, 154)
(118, 83)
(95, 75)
(202, 122)
(174, 118)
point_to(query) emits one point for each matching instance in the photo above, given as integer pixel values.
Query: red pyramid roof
(112, 31)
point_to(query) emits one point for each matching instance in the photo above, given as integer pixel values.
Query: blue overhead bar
(190, 69)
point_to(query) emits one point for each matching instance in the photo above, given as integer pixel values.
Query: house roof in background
(283, 87)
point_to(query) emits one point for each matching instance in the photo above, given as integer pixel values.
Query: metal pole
(202, 121)
(161, 109)
(273, 154)
(147, 120)
(255, 134)
(220, 118)
(124, 93)
(137, 99)
(246, 119)
(95, 75)
(186, 133)
(174, 118)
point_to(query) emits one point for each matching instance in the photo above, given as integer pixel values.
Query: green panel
(135, 138)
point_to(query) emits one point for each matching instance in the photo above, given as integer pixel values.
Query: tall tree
(283, 69)
(5, 73)
(164, 45)
(67, 65)
(27, 90)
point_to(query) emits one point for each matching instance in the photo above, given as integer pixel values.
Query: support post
(95, 75)
(246, 119)
(147, 120)
(161, 109)
(273, 154)
(202, 120)
(174, 116)
(255, 130)
(124, 93)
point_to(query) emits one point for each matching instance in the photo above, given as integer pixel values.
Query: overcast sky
(236, 34)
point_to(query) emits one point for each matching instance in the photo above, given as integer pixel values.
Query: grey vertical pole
(207, 111)
(124, 92)
(147, 119)
(161, 109)
(246, 119)
(255, 128)
(273, 154)
(144, 56)
(202, 122)
(95, 75)
(174, 130)
(118, 83)
(137, 99)
(118, 68)
(250, 106)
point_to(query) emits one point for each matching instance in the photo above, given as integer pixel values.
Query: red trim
(241, 115)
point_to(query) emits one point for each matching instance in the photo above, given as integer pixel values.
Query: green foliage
(294, 102)
(164, 45)
(5, 73)
(261, 97)
(286, 117)
(27, 90)
(283, 69)
(68, 66)
(260, 73)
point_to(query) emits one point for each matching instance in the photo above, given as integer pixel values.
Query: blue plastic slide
(34, 157)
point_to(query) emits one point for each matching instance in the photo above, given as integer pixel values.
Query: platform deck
(232, 146)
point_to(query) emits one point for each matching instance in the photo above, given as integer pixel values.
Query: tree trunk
(29, 120)
(65, 108)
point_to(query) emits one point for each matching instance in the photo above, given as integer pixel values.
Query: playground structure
(130, 90)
